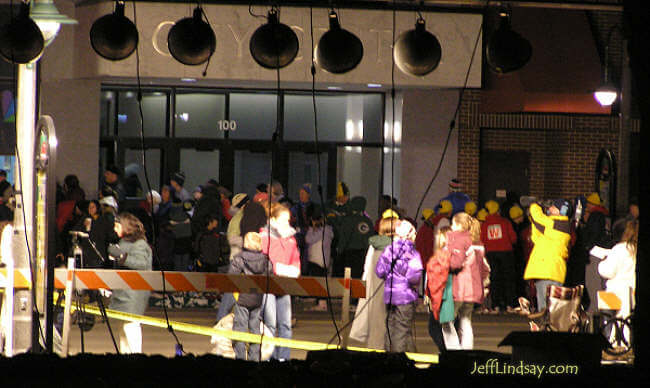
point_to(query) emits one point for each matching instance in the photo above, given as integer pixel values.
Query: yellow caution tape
(241, 336)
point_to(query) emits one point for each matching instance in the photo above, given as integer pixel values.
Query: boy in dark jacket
(352, 234)
(251, 261)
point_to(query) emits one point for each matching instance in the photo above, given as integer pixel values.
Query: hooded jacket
(551, 237)
(355, 228)
(401, 268)
(282, 250)
(250, 263)
(208, 205)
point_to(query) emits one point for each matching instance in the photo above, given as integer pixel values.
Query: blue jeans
(540, 287)
(227, 302)
(246, 321)
(277, 317)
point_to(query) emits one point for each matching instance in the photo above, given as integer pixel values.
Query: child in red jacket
(438, 281)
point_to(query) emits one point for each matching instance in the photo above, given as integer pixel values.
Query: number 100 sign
(226, 125)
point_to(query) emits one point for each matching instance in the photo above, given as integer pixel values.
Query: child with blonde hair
(438, 292)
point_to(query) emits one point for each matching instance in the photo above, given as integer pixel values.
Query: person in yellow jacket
(551, 236)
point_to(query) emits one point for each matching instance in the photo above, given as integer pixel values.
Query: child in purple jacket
(401, 268)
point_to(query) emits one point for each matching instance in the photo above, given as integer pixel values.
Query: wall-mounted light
(507, 50)
(21, 41)
(607, 93)
(338, 50)
(417, 51)
(274, 45)
(114, 36)
(191, 40)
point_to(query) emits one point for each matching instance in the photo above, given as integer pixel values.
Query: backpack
(179, 221)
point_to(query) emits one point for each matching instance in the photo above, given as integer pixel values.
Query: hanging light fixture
(274, 45)
(48, 19)
(191, 40)
(114, 36)
(338, 50)
(607, 93)
(21, 41)
(507, 50)
(417, 51)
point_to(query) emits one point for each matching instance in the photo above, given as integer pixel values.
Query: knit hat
(342, 189)
(481, 215)
(239, 200)
(594, 199)
(426, 213)
(390, 213)
(114, 169)
(109, 201)
(307, 188)
(455, 185)
(155, 197)
(515, 212)
(470, 208)
(405, 229)
(178, 177)
(492, 207)
(445, 207)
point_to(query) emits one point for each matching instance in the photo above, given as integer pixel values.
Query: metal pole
(345, 308)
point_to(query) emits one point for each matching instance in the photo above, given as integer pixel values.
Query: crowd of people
(459, 260)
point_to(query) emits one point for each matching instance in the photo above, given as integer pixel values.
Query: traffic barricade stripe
(134, 280)
(21, 278)
(219, 282)
(313, 287)
(91, 278)
(608, 301)
(179, 282)
(267, 283)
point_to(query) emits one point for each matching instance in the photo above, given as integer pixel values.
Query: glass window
(360, 168)
(199, 114)
(154, 112)
(303, 168)
(253, 115)
(341, 118)
(251, 169)
(199, 167)
(135, 183)
(107, 113)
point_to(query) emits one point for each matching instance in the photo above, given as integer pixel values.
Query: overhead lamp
(338, 50)
(417, 51)
(48, 19)
(607, 93)
(114, 36)
(21, 41)
(274, 45)
(507, 50)
(191, 40)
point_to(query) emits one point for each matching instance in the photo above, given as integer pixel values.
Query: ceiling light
(113, 36)
(338, 50)
(417, 52)
(191, 40)
(274, 45)
(607, 93)
(506, 50)
(375, 85)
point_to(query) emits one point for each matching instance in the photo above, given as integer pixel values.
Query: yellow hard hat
(426, 213)
(445, 207)
(516, 212)
(492, 206)
(390, 213)
(594, 199)
(481, 214)
(470, 208)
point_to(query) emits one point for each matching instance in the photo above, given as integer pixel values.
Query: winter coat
(467, 267)
(282, 250)
(355, 228)
(211, 248)
(369, 325)
(437, 274)
(401, 268)
(497, 234)
(551, 237)
(252, 219)
(424, 241)
(208, 205)
(316, 245)
(139, 258)
(458, 201)
(619, 268)
(250, 263)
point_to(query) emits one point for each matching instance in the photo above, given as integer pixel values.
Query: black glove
(116, 253)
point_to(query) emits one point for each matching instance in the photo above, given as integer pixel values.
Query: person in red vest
(499, 237)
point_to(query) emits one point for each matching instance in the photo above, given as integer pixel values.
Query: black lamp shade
(506, 50)
(191, 41)
(21, 41)
(417, 51)
(114, 36)
(274, 45)
(338, 50)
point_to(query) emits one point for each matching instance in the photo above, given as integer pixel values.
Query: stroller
(563, 311)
